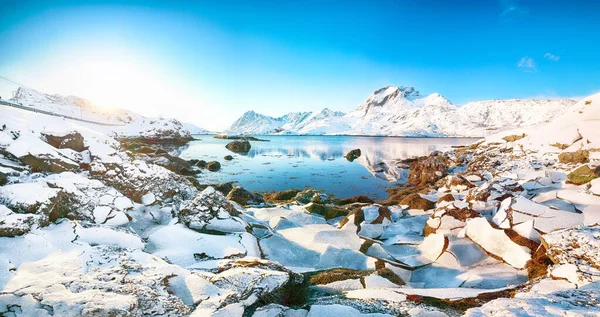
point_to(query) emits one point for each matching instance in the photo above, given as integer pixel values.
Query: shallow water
(287, 162)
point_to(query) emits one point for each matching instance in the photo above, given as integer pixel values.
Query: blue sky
(207, 62)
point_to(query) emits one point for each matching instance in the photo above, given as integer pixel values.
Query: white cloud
(552, 57)
(527, 64)
(511, 8)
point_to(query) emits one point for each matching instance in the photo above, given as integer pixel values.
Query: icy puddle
(296, 162)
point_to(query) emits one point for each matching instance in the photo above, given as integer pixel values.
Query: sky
(207, 62)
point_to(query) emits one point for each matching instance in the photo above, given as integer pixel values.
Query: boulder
(514, 137)
(73, 141)
(428, 170)
(52, 165)
(281, 196)
(213, 166)
(583, 175)
(228, 158)
(200, 163)
(244, 197)
(211, 211)
(176, 164)
(353, 155)
(415, 201)
(579, 156)
(239, 146)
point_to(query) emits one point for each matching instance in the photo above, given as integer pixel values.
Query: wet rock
(415, 201)
(228, 158)
(213, 166)
(239, 146)
(353, 155)
(356, 199)
(428, 170)
(244, 197)
(73, 141)
(3, 179)
(200, 163)
(579, 156)
(281, 196)
(583, 175)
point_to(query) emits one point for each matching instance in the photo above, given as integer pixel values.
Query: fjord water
(287, 162)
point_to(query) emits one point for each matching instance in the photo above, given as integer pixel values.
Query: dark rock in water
(3, 179)
(583, 175)
(244, 197)
(228, 158)
(73, 141)
(353, 155)
(47, 165)
(201, 163)
(193, 161)
(239, 146)
(213, 166)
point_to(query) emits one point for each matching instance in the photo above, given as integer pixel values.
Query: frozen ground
(507, 226)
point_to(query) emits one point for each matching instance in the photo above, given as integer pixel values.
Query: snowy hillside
(401, 111)
(125, 123)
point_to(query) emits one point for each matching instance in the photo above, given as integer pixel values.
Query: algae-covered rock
(353, 155)
(583, 175)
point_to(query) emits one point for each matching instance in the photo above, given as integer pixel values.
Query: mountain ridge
(402, 111)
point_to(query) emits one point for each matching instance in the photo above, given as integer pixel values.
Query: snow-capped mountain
(255, 123)
(124, 123)
(402, 111)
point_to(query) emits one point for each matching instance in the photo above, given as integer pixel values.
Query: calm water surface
(287, 162)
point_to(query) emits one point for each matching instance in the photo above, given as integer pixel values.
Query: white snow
(497, 242)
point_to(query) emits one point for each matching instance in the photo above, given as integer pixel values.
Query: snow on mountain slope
(194, 129)
(127, 123)
(400, 111)
(255, 123)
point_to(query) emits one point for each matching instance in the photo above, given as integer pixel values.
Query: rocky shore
(93, 225)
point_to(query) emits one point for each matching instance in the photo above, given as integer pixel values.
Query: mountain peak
(388, 96)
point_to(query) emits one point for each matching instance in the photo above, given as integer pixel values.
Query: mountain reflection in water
(287, 162)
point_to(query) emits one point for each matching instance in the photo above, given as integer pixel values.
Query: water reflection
(316, 161)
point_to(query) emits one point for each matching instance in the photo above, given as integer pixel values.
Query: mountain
(124, 123)
(255, 123)
(402, 111)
